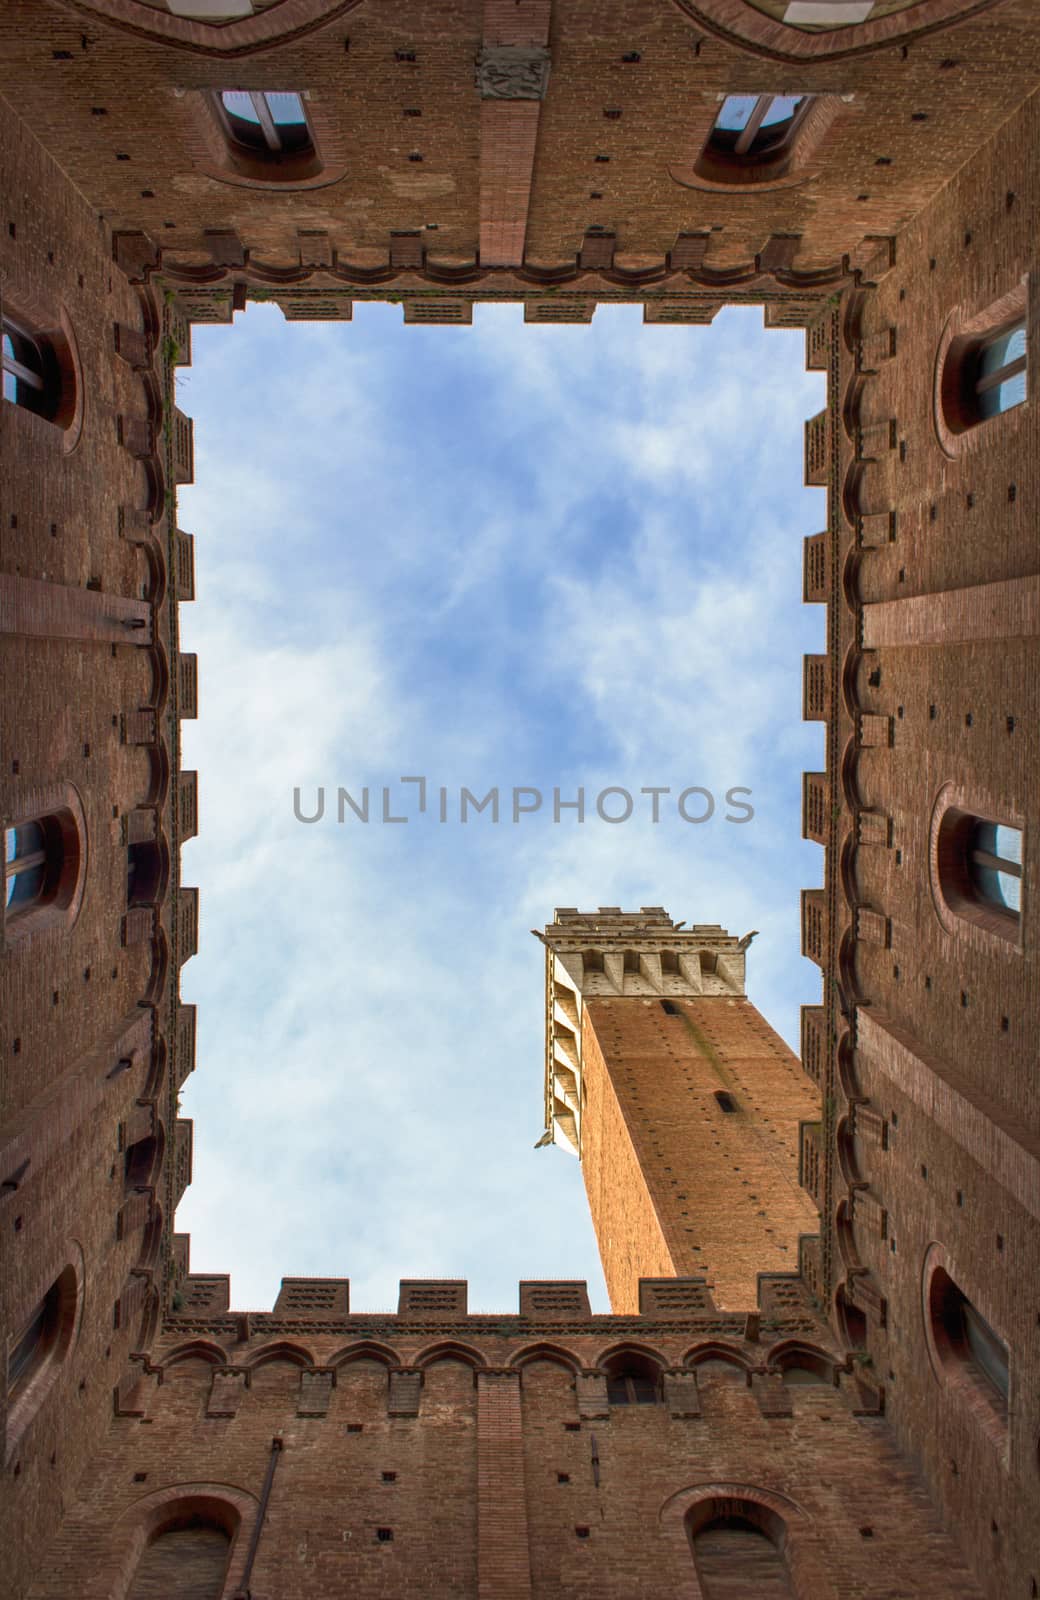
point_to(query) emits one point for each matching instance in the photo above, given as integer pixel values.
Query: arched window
(38, 1348)
(32, 373)
(981, 369)
(633, 1380)
(749, 127)
(186, 1560)
(979, 869)
(738, 1548)
(762, 139)
(144, 873)
(267, 126)
(140, 1162)
(35, 1342)
(41, 860)
(966, 1344)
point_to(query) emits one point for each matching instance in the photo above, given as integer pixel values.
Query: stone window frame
(967, 332)
(59, 807)
(49, 335)
(960, 909)
(951, 1363)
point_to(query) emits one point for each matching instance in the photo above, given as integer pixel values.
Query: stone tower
(681, 1102)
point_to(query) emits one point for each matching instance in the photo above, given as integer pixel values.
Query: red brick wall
(673, 1178)
(949, 1152)
(70, 993)
(140, 160)
(631, 1472)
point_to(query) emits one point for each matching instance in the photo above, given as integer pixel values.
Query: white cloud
(515, 566)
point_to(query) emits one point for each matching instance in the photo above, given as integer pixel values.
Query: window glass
(755, 125)
(782, 108)
(24, 887)
(272, 122)
(23, 368)
(736, 112)
(996, 864)
(25, 864)
(1001, 373)
(10, 380)
(240, 104)
(286, 109)
(23, 841)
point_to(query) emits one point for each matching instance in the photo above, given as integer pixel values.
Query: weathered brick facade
(839, 1426)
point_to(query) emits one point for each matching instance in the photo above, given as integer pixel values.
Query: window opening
(270, 122)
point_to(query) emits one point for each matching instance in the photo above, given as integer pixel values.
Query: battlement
(784, 1305)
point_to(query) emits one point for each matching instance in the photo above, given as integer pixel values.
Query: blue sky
(492, 556)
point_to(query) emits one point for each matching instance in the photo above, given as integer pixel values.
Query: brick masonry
(677, 1185)
(798, 1374)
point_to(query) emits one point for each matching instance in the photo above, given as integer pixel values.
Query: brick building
(838, 1397)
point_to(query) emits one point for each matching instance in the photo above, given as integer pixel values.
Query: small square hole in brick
(563, 1477)
(582, 1531)
(572, 1427)
(384, 1535)
(389, 1477)
(866, 1533)
(355, 1427)
(140, 1477)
